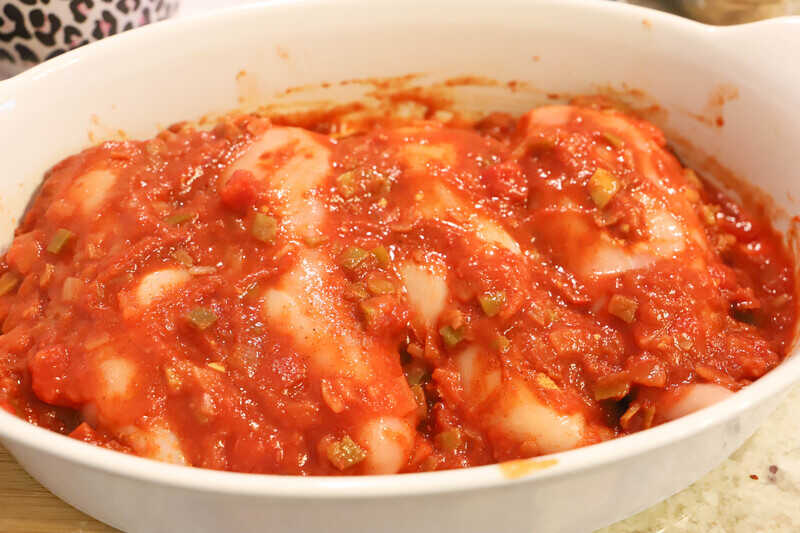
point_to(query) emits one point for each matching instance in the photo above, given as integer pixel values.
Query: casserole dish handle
(773, 43)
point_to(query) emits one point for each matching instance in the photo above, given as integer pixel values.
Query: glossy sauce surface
(407, 296)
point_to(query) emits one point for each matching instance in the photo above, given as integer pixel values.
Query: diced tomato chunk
(85, 433)
(24, 252)
(49, 370)
(240, 193)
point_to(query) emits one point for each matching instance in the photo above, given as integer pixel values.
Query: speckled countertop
(756, 490)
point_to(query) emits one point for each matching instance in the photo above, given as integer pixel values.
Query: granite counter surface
(756, 490)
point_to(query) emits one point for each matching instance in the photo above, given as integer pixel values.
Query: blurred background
(724, 12)
(32, 31)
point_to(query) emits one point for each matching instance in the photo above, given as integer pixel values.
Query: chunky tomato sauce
(402, 296)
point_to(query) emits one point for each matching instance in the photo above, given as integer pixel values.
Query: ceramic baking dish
(731, 91)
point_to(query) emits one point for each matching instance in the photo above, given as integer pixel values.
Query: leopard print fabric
(32, 31)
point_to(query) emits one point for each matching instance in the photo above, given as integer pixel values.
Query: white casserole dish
(183, 69)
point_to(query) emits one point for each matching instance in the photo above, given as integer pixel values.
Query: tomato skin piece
(239, 193)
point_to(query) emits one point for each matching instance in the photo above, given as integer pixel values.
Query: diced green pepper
(419, 398)
(603, 185)
(415, 350)
(370, 312)
(179, 218)
(492, 302)
(612, 388)
(613, 139)
(541, 144)
(201, 317)
(182, 256)
(415, 374)
(357, 291)
(365, 180)
(352, 257)
(59, 240)
(264, 228)
(625, 419)
(545, 381)
(345, 453)
(346, 184)
(382, 255)
(314, 240)
(219, 367)
(501, 343)
(709, 214)
(71, 289)
(8, 282)
(649, 415)
(451, 336)
(379, 184)
(623, 307)
(449, 440)
(380, 286)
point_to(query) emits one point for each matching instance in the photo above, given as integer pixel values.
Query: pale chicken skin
(408, 296)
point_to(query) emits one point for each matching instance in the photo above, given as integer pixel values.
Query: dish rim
(23, 433)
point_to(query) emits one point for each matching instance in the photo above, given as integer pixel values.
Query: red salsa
(385, 295)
